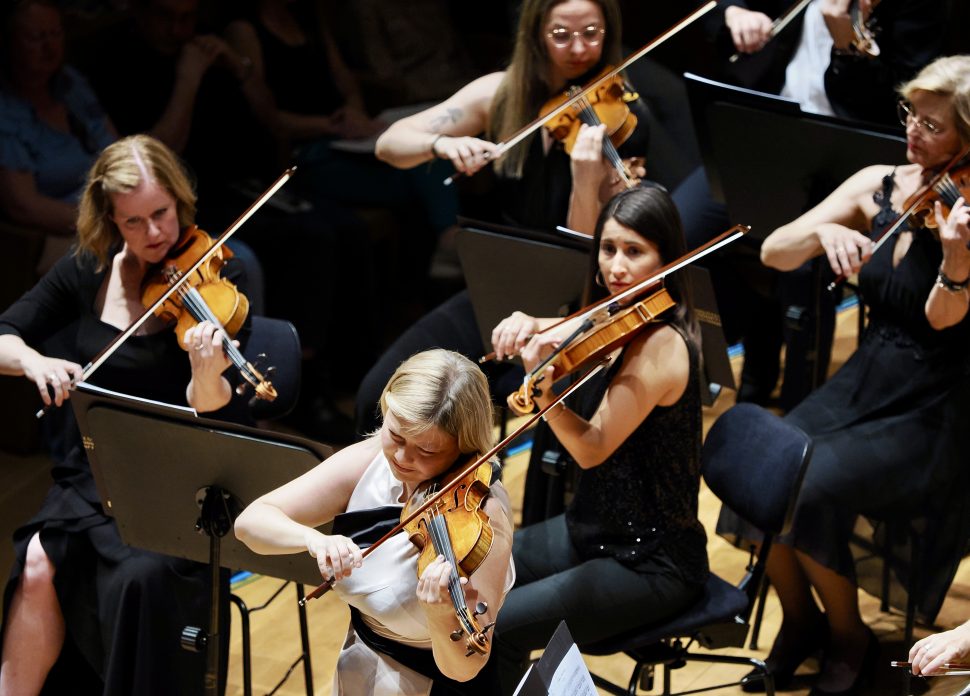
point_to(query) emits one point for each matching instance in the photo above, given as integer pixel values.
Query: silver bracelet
(560, 412)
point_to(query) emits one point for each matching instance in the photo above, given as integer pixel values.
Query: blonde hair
(443, 389)
(527, 84)
(121, 168)
(948, 76)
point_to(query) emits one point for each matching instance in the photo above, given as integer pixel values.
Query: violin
(864, 33)
(456, 527)
(608, 104)
(951, 183)
(205, 296)
(622, 309)
(527, 130)
(109, 350)
(619, 328)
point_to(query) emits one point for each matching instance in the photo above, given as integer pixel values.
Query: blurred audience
(52, 126)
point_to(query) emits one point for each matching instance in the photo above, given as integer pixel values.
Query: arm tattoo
(450, 116)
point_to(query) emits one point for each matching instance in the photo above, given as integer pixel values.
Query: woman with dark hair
(635, 433)
(558, 43)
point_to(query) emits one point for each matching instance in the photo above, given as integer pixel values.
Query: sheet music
(571, 677)
(94, 389)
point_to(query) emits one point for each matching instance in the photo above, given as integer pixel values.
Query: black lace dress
(890, 430)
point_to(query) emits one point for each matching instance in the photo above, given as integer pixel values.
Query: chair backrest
(278, 340)
(754, 462)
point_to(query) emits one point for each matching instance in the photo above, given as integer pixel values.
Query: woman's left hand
(433, 585)
(536, 350)
(954, 236)
(206, 354)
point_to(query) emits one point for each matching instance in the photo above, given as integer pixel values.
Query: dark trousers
(597, 598)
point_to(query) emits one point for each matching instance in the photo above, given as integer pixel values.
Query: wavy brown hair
(527, 84)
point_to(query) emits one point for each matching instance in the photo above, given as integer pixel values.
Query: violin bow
(700, 252)
(504, 146)
(779, 24)
(327, 585)
(110, 349)
(904, 216)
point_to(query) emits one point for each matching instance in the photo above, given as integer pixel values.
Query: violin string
(438, 527)
(200, 311)
(948, 190)
(588, 116)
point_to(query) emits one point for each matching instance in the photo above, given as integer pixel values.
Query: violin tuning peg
(270, 371)
(480, 609)
(456, 635)
(486, 628)
(260, 356)
(241, 388)
(469, 653)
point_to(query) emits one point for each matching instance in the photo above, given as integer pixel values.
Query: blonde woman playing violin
(889, 427)
(436, 413)
(629, 548)
(75, 588)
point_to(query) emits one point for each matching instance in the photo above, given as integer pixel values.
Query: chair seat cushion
(719, 603)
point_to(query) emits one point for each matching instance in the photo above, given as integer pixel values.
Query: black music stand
(138, 454)
(796, 159)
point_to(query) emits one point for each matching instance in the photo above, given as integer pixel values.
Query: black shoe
(783, 670)
(862, 677)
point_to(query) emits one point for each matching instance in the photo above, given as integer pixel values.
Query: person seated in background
(889, 428)
(82, 611)
(635, 434)
(204, 100)
(813, 62)
(52, 126)
(437, 417)
(318, 105)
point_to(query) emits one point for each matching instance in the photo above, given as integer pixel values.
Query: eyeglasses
(591, 35)
(906, 114)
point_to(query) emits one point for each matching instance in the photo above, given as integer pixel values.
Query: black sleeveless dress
(890, 429)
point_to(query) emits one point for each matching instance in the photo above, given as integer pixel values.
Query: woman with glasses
(558, 43)
(890, 427)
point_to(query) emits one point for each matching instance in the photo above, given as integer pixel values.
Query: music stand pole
(215, 522)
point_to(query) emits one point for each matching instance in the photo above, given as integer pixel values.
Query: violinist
(77, 595)
(436, 414)
(811, 61)
(558, 43)
(629, 549)
(889, 428)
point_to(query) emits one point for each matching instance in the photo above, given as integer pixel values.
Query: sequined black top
(644, 497)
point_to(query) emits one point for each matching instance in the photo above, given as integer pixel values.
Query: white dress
(384, 589)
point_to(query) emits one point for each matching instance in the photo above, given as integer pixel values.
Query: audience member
(51, 126)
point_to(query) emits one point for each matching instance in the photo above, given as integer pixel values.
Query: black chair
(754, 462)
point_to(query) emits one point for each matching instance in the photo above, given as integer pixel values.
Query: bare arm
(284, 520)
(656, 369)
(19, 359)
(25, 205)
(947, 307)
(833, 227)
(449, 126)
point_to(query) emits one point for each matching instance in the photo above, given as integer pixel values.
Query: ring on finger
(52, 377)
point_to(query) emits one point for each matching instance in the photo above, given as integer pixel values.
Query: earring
(598, 279)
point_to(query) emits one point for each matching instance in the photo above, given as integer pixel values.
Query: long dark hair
(527, 84)
(649, 211)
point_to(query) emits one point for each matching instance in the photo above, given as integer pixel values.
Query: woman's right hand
(59, 375)
(846, 249)
(750, 30)
(467, 154)
(336, 555)
(512, 333)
